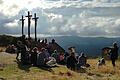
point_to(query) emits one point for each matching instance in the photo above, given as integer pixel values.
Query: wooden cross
(35, 19)
(22, 20)
(29, 22)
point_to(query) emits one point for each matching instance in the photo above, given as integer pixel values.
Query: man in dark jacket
(34, 56)
(114, 53)
(71, 61)
(23, 54)
(18, 49)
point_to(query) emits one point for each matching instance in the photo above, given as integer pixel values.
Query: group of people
(43, 57)
(38, 57)
(110, 53)
(74, 61)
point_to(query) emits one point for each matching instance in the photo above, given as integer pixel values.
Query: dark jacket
(41, 59)
(114, 53)
(71, 61)
(34, 58)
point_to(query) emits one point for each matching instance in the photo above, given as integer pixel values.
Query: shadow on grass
(26, 68)
(81, 70)
(47, 68)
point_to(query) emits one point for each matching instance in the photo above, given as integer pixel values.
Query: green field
(10, 70)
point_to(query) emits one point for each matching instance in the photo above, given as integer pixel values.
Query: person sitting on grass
(55, 55)
(51, 62)
(61, 58)
(100, 62)
(41, 58)
(47, 55)
(82, 61)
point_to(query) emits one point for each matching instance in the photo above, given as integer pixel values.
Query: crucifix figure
(22, 19)
(29, 21)
(35, 18)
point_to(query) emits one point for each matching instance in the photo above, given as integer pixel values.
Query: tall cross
(29, 21)
(22, 20)
(35, 19)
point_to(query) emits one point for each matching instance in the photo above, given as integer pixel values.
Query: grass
(10, 70)
(2, 49)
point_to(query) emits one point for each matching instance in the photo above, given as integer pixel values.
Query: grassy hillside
(10, 70)
(5, 40)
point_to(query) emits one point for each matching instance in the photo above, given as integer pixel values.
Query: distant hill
(90, 45)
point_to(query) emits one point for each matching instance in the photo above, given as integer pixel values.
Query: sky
(62, 17)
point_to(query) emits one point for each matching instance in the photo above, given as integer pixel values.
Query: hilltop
(6, 40)
(10, 70)
(92, 46)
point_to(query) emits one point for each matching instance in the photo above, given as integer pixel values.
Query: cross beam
(35, 19)
(29, 22)
(22, 20)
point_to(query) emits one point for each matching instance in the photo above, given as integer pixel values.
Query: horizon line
(51, 35)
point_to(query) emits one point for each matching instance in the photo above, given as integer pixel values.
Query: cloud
(85, 25)
(1, 2)
(53, 17)
(12, 24)
(64, 17)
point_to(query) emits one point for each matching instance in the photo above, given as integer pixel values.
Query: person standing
(23, 54)
(71, 61)
(18, 49)
(114, 54)
(34, 56)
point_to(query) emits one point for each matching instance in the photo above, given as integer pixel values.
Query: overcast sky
(64, 17)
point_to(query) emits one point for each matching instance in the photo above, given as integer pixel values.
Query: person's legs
(17, 55)
(73, 67)
(113, 62)
(35, 62)
(23, 58)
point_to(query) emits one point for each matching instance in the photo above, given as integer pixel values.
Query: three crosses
(29, 22)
